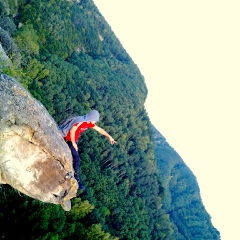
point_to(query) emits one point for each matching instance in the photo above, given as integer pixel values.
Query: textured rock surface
(4, 60)
(34, 158)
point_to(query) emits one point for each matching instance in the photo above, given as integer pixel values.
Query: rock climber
(71, 130)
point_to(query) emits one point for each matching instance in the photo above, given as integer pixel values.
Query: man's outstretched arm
(104, 133)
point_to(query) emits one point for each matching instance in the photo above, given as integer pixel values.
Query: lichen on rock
(34, 157)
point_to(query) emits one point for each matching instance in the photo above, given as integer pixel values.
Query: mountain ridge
(182, 194)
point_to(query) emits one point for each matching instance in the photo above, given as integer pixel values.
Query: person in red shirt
(72, 129)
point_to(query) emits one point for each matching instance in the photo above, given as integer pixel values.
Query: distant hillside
(67, 56)
(182, 198)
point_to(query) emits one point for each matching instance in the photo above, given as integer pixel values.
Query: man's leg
(76, 165)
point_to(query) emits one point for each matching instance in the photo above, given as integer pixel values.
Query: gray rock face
(34, 158)
(4, 60)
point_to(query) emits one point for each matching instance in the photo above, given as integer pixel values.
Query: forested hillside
(67, 56)
(182, 198)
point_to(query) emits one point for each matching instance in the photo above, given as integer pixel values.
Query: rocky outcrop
(34, 158)
(4, 60)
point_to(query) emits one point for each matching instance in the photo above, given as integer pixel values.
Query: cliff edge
(34, 158)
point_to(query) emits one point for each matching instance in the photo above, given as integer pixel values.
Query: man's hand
(112, 141)
(75, 146)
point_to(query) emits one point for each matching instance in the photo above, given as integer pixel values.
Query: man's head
(92, 116)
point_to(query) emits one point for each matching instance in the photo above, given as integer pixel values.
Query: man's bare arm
(104, 133)
(72, 135)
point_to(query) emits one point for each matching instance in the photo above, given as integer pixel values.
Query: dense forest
(182, 199)
(67, 56)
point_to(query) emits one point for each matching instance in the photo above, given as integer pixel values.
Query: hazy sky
(189, 54)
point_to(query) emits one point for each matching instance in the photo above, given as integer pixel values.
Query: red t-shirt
(82, 127)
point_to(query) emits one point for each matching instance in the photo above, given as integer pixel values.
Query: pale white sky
(189, 54)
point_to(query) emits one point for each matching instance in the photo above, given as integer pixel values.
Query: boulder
(34, 158)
